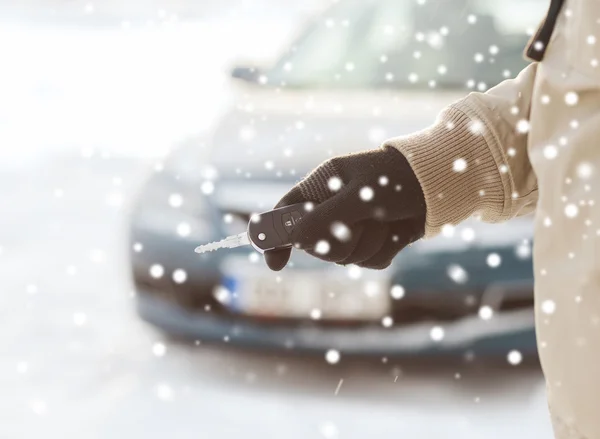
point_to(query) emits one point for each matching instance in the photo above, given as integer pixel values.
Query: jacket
(533, 144)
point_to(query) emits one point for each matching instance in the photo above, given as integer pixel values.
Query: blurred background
(132, 131)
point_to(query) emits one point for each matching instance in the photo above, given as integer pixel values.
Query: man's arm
(473, 160)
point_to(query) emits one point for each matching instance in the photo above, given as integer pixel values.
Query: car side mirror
(249, 74)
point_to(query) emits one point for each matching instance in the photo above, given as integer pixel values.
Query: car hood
(280, 134)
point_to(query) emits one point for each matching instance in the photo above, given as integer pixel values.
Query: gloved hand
(367, 207)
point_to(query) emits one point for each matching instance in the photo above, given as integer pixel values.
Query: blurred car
(360, 73)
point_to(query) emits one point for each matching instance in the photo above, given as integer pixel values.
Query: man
(531, 143)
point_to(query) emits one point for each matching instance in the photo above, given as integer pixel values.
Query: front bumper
(505, 332)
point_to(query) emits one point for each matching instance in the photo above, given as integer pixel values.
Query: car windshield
(411, 44)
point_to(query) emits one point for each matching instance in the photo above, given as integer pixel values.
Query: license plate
(318, 294)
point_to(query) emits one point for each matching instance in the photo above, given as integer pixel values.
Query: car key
(266, 231)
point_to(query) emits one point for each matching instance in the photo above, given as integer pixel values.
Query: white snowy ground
(75, 362)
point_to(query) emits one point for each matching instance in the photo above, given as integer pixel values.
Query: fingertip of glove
(277, 259)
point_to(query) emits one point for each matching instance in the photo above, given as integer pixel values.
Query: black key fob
(272, 230)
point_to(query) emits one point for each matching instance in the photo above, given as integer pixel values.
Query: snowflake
(523, 250)
(397, 292)
(366, 193)
(79, 318)
(459, 165)
(571, 210)
(175, 200)
(571, 98)
(334, 184)
(322, 247)
(383, 180)
(159, 349)
(329, 430)
(315, 313)
(486, 312)
(512, 152)
(157, 271)
(341, 231)
(591, 39)
(574, 124)
(467, 234)
(442, 69)
(413, 77)
(387, 322)
(472, 19)
(179, 276)
(354, 272)
(164, 392)
(514, 357)
(584, 170)
(494, 50)
(448, 230)
(478, 57)
(523, 126)
(332, 356)
(222, 294)
(372, 288)
(457, 274)
(548, 306)
(437, 333)
(493, 260)
(550, 152)
(383, 58)
(476, 127)
(545, 99)
(247, 133)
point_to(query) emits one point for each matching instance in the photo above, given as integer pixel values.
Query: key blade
(229, 242)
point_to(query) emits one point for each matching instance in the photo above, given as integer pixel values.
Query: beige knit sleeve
(473, 160)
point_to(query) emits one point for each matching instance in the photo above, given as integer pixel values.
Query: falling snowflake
(584, 170)
(387, 322)
(442, 69)
(334, 184)
(457, 274)
(548, 306)
(383, 180)
(514, 357)
(159, 349)
(315, 313)
(332, 356)
(485, 312)
(478, 57)
(476, 127)
(472, 19)
(494, 50)
(571, 210)
(222, 294)
(157, 271)
(340, 231)
(523, 126)
(366, 193)
(448, 230)
(247, 133)
(397, 292)
(349, 66)
(79, 318)
(372, 288)
(413, 77)
(591, 39)
(309, 206)
(493, 260)
(523, 251)
(354, 272)
(459, 165)
(164, 392)
(437, 333)
(179, 276)
(467, 234)
(545, 99)
(322, 247)
(329, 430)
(571, 98)
(184, 229)
(175, 200)
(512, 152)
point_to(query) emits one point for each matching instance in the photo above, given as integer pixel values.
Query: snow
(397, 292)
(77, 362)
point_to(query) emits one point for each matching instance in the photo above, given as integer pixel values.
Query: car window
(411, 44)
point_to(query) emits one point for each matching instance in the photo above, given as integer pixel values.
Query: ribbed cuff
(457, 170)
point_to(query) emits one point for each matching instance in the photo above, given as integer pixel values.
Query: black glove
(367, 207)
